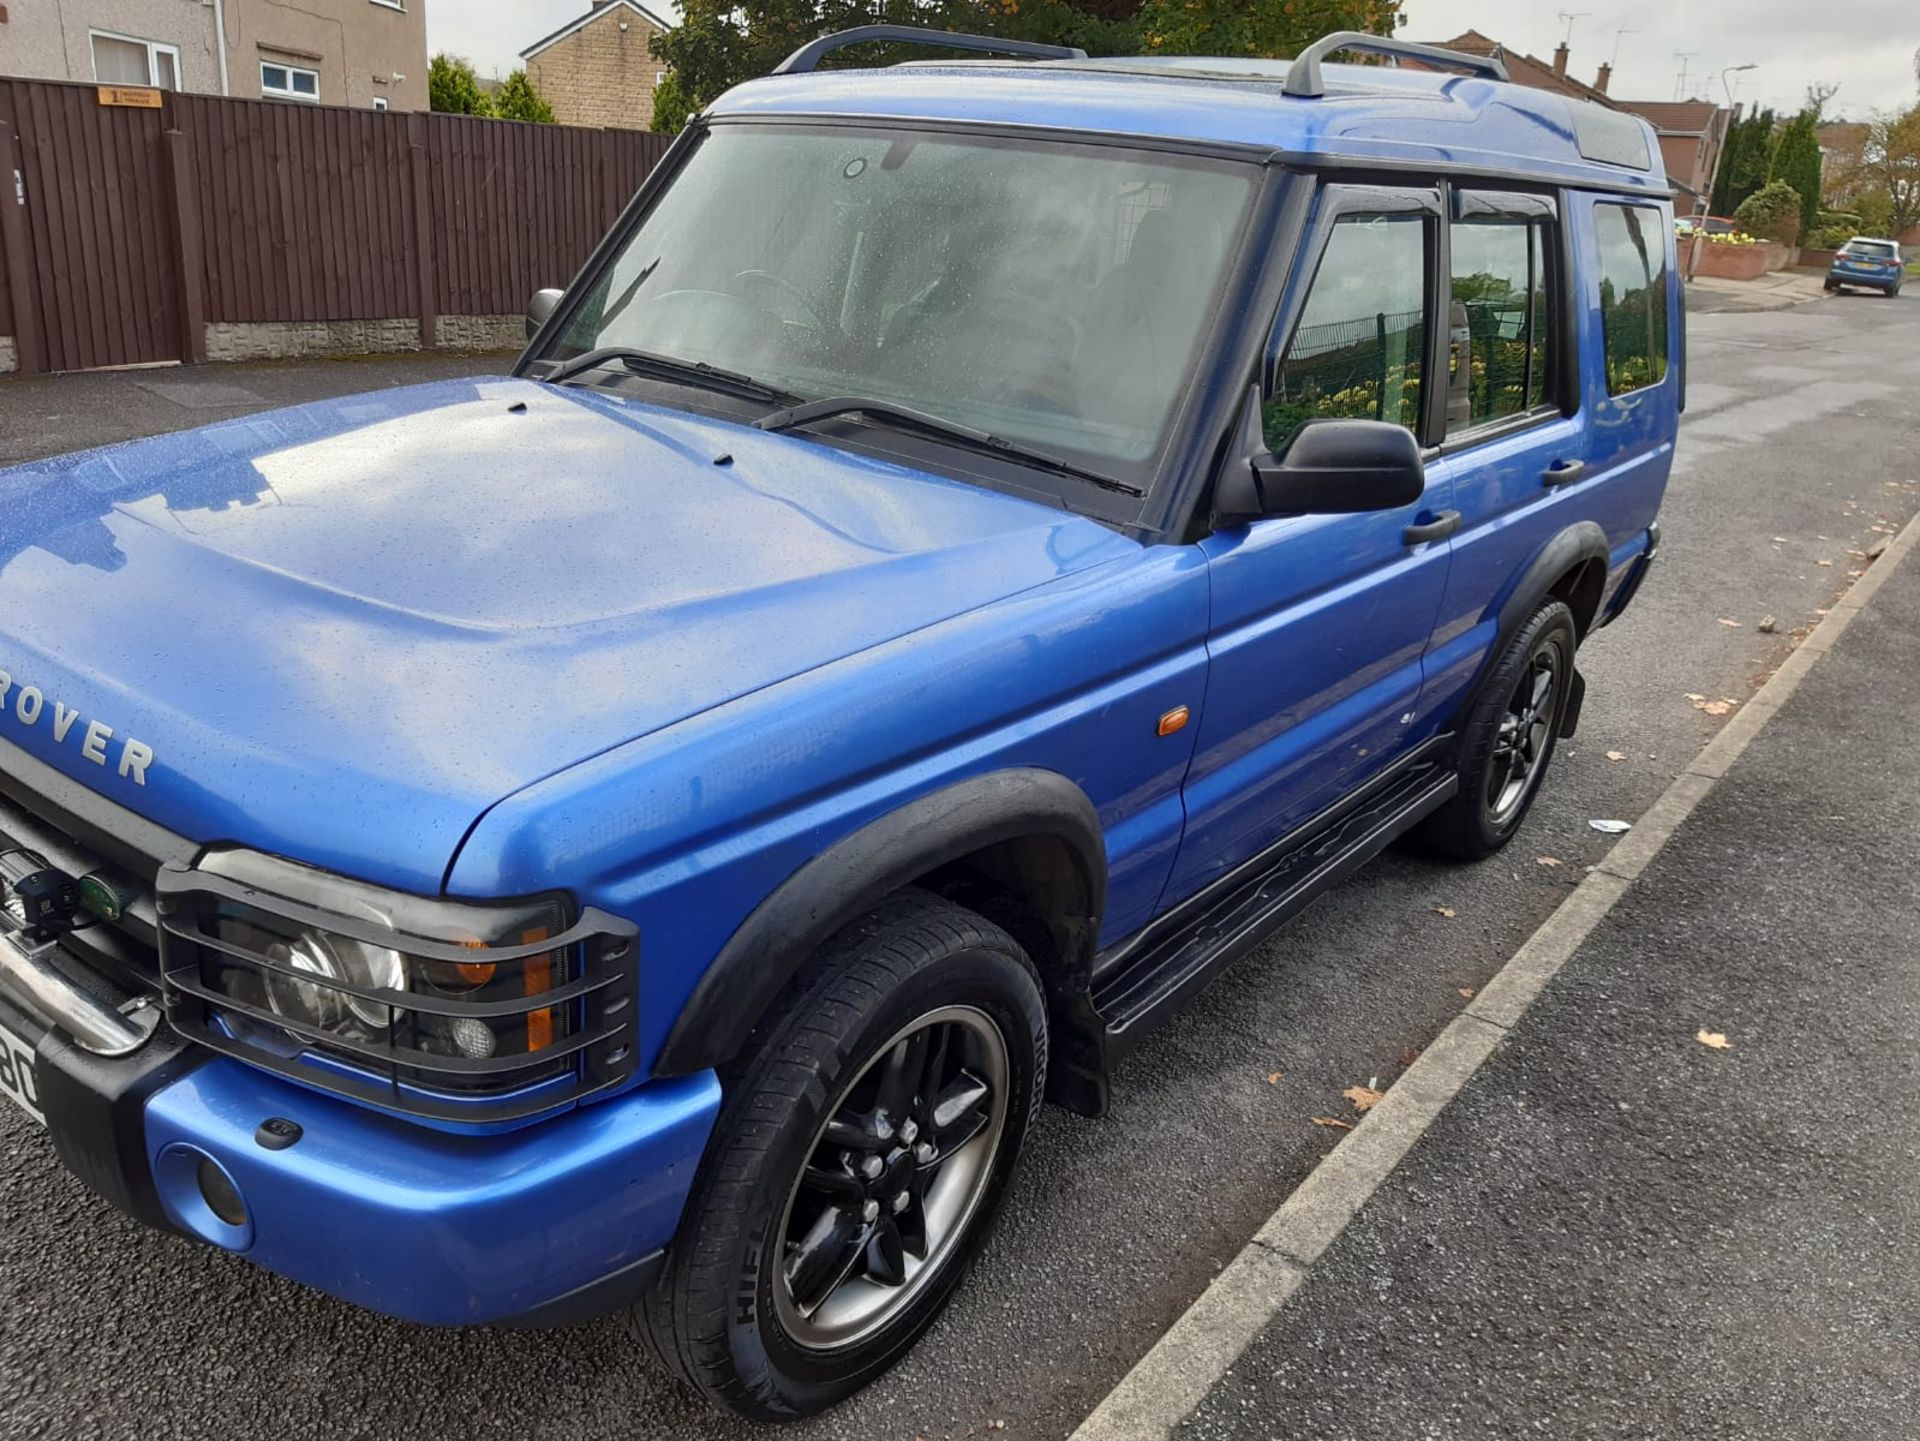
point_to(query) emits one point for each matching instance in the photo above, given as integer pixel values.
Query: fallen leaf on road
(1823, 562)
(1548, 861)
(1334, 1121)
(1364, 1098)
(1733, 623)
(1611, 828)
(1616, 755)
(1409, 1056)
(1273, 1077)
(1446, 911)
(1767, 625)
(1695, 697)
(1466, 993)
(1779, 540)
(1714, 1040)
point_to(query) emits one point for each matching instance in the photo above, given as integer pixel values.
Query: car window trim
(1503, 428)
(1672, 276)
(1563, 351)
(1333, 202)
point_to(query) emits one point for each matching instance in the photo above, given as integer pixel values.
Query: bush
(1772, 212)
(1876, 213)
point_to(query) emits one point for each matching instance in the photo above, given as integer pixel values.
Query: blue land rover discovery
(976, 548)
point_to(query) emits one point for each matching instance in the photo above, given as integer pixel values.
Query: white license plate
(17, 1082)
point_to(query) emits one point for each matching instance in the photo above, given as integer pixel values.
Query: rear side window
(1501, 322)
(1359, 351)
(1633, 295)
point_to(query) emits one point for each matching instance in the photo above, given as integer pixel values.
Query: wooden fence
(130, 235)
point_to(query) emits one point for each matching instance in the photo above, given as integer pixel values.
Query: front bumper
(549, 1224)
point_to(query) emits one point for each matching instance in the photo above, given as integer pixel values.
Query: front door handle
(1439, 528)
(1564, 472)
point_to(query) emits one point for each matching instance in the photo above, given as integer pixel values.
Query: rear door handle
(1439, 528)
(1565, 472)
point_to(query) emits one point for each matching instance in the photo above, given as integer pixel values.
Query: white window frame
(153, 47)
(391, 5)
(380, 101)
(270, 93)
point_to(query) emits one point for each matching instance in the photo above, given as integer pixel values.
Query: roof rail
(1304, 81)
(809, 56)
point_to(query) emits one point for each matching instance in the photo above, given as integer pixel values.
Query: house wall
(363, 49)
(1686, 160)
(602, 74)
(53, 42)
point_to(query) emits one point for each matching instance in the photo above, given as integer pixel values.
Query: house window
(379, 101)
(391, 5)
(123, 60)
(288, 82)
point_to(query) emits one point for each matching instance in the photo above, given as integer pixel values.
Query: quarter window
(1501, 322)
(288, 82)
(1359, 351)
(1633, 295)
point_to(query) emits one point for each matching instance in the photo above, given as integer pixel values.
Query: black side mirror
(543, 304)
(1331, 467)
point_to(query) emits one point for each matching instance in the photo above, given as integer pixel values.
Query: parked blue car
(1875, 264)
(976, 549)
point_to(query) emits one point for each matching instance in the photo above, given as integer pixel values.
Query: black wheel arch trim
(854, 874)
(1571, 550)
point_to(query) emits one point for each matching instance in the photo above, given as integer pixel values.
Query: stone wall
(604, 73)
(289, 340)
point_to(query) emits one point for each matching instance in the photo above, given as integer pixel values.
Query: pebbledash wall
(213, 229)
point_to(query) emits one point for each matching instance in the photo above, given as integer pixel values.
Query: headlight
(453, 1007)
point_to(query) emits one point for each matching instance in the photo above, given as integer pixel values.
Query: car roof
(1369, 113)
(1873, 240)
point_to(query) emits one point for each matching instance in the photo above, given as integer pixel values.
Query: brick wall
(602, 74)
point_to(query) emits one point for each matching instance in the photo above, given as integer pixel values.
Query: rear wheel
(864, 1144)
(1508, 739)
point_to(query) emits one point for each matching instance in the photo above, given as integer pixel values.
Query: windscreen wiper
(667, 367)
(905, 417)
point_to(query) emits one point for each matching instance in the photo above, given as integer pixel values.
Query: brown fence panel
(302, 210)
(99, 227)
(520, 207)
(141, 224)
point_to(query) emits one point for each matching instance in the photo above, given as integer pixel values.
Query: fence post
(187, 256)
(422, 205)
(13, 253)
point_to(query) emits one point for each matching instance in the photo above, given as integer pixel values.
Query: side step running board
(1147, 986)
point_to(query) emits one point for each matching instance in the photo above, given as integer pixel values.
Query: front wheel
(1508, 739)
(863, 1146)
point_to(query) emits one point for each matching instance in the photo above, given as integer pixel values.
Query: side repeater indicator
(1175, 719)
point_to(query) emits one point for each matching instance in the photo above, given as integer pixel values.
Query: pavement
(1798, 449)
(46, 415)
(1777, 290)
(1619, 1230)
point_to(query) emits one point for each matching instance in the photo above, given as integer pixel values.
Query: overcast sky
(1867, 46)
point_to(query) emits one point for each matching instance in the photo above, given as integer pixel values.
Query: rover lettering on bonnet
(29, 706)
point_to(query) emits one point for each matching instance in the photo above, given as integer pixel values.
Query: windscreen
(1054, 294)
(1873, 249)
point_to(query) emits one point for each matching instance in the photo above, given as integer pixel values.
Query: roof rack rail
(808, 57)
(1304, 80)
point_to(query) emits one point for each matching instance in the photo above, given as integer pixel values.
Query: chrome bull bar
(28, 976)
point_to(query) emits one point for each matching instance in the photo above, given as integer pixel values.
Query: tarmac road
(1799, 442)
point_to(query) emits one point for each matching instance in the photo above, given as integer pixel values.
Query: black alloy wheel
(865, 1141)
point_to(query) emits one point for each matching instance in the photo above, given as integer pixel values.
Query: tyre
(864, 1143)
(1508, 739)
(1831, 287)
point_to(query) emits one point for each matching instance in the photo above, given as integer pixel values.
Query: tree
(671, 112)
(719, 43)
(453, 88)
(1889, 167)
(1820, 94)
(1796, 162)
(1744, 162)
(518, 100)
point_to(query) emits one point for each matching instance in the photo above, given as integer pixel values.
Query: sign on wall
(133, 97)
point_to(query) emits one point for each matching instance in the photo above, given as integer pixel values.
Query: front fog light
(334, 958)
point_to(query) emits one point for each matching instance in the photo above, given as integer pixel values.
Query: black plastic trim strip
(117, 834)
